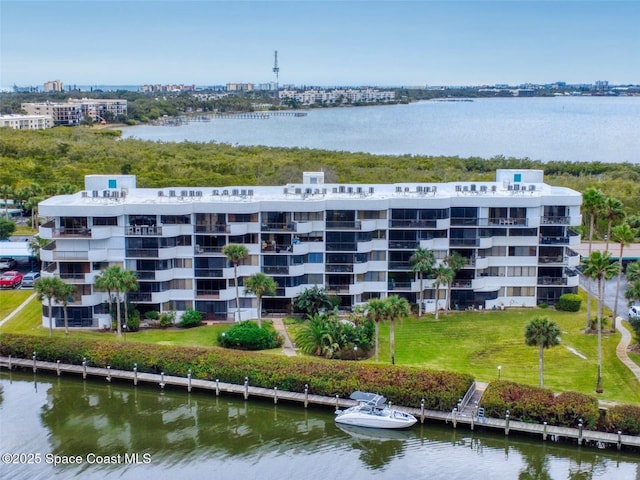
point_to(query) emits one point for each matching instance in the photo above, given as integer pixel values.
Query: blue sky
(206, 42)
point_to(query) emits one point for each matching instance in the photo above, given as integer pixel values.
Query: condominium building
(515, 234)
(26, 122)
(364, 95)
(72, 111)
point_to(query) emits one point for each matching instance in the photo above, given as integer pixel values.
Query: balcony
(143, 230)
(339, 268)
(344, 225)
(552, 281)
(462, 284)
(399, 286)
(279, 226)
(555, 220)
(404, 224)
(203, 294)
(553, 240)
(464, 242)
(403, 244)
(81, 232)
(206, 228)
(504, 221)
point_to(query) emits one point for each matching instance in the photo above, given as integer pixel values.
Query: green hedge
(569, 302)
(401, 385)
(537, 405)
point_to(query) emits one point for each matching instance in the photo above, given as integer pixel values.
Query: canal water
(94, 430)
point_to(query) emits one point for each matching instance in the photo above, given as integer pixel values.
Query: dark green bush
(569, 302)
(401, 385)
(166, 319)
(534, 404)
(151, 315)
(190, 318)
(249, 336)
(623, 418)
(133, 323)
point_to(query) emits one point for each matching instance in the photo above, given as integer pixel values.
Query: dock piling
(35, 368)
(580, 432)
(58, 367)
(9, 362)
(246, 388)
(84, 368)
(306, 395)
(162, 380)
(189, 381)
(109, 373)
(454, 416)
(422, 411)
(217, 387)
(544, 431)
(135, 374)
(619, 445)
(275, 395)
(506, 425)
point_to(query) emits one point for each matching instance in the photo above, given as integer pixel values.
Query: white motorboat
(372, 412)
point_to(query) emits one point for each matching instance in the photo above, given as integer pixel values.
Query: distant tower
(276, 70)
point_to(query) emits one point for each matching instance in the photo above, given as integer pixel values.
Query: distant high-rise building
(53, 86)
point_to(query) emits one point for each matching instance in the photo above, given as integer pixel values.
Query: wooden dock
(474, 420)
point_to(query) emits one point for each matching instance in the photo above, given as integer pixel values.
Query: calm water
(201, 436)
(562, 128)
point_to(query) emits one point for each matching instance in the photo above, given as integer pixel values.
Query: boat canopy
(372, 399)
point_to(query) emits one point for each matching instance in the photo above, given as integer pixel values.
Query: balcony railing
(72, 275)
(209, 272)
(344, 225)
(399, 285)
(205, 228)
(72, 232)
(461, 284)
(553, 240)
(464, 242)
(139, 297)
(204, 250)
(142, 252)
(403, 244)
(520, 222)
(559, 281)
(551, 259)
(413, 223)
(339, 268)
(272, 226)
(340, 288)
(276, 270)
(143, 230)
(204, 293)
(555, 220)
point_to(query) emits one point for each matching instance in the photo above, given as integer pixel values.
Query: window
(520, 291)
(105, 221)
(175, 219)
(522, 251)
(316, 258)
(522, 271)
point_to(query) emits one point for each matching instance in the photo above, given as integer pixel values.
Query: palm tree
(542, 333)
(632, 292)
(613, 211)
(6, 191)
(63, 294)
(36, 244)
(455, 262)
(422, 262)
(260, 285)
(598, 265)
(376, 312)
(311, 338)
(128, 283)
(48, 287)
(592, 202)
(443, 275)
(397, 308)
(235, 253)
(109, 281)
(624, 235)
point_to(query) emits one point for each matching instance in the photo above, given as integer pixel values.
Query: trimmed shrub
(401, 385)
(248, 335)
(151, 315)
(133, 323)
(167, 319)
(190, 318)
(569, 302)
(624, 418)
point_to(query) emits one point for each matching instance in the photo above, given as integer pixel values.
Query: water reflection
(188, 435)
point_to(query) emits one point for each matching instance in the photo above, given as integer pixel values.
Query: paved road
(610, 294)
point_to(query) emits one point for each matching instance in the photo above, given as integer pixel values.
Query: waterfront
(177, 434)
(559, 128)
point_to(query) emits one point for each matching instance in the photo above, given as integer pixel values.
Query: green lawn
(11, 299)
(468, 342)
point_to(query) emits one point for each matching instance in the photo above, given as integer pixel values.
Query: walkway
(17, 310)
(621, 349)
(287, 346)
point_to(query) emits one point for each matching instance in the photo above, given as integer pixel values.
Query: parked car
(7, 263)
(30, 279)
(634, 312)
(11, 279)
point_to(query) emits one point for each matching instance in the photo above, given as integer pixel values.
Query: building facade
(516, 235)
(71, 112)
(26, 122)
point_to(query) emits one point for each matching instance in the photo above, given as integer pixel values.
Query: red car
(11, 279)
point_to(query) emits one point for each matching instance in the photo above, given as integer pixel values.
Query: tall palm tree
(63, 295)
(455, 262)
(48, 287)
(633, 271)
(6, 191)
(592, 203)
(235, 253)
(109, 281)
(613, 211)
(624, 235)
(542, 333)
(443, 275)
(598, 266)
(376, 311)
(632, 293)
(396, 309)
(422, 262)
(36, 244)
(260, 285)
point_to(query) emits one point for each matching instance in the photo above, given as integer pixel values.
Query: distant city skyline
(382, 43)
